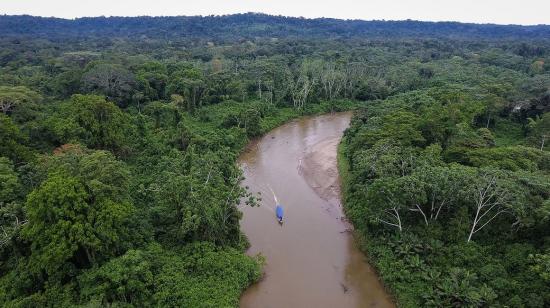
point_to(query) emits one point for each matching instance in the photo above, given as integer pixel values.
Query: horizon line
(284, 16)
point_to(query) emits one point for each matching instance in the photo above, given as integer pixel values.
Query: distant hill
(254, 26)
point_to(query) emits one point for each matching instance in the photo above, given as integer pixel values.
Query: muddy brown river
(312, 259)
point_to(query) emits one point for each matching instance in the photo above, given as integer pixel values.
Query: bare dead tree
(491, 199)
(301, 90)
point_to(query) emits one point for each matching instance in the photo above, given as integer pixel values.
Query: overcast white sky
(527, 12)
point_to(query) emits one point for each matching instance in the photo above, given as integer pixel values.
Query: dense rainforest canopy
(229, 28)
(118, 141)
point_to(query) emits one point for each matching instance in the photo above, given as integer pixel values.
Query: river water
(312, 259)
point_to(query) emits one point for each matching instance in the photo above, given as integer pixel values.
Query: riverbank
(361, 240)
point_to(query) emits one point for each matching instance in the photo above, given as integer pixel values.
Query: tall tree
(79, 215)
(539, 129)
(92, 120)
(492, 194)
(387, 203)
(190, 84)
(19, 102)
(113, 81)
(12, 218)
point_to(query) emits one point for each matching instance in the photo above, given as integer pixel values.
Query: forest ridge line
(255, 25)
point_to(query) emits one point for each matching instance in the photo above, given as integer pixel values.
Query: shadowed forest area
(119, 139)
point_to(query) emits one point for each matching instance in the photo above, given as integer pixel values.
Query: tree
(513, 158)
(537, 85)
(59, 225)
(413, 193)
(401, 127)
(251, 122)
(12, 98)
(491, 193)
(300, 90)
(92, 120)
(354, 74)
(541, 265)
(67, 83)
(196, 197)
(79, 216)
(385, 201)
(20, 103)
(460, 288)
(127, 279)
(385, 159)
(12, 218)
(13, 143)
(493, 105)
(302, 85)
(332, 80)
(113, 81)
(9, 183)
(163, 114)
(264, 75)
(539, 129)
(443, 185)
(188, 83)
(152, 79)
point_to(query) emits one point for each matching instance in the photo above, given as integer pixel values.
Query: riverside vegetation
(449, 188)
(119, 136)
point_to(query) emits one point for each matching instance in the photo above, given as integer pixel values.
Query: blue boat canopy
(279, 211)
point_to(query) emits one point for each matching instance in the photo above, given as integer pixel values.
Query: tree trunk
(474, 224)
(423, 215)
(260, 88)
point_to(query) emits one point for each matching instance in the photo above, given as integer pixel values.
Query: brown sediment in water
(312, 261)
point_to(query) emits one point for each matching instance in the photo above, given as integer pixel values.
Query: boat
(279, 212)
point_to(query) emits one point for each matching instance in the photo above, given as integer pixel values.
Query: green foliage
(93, 121)
(539, 130)
(127, 280)
(509, 158)
(13, 143)
(443, 215)
(18, 102)
(113, 81)
(197, 275)
(195, 200)
(74, 222)
(56, 226)
(507, 132)
(190, 85)
(9, 183)
(119, 138)
(206, 276)
(12, 217)
(541, 265)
